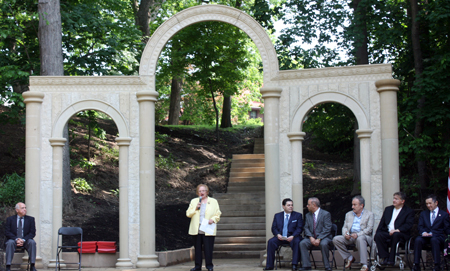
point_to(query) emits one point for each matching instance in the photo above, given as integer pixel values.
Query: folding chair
(69, 231)
(401, 248)
(330, 246)
(278, 257)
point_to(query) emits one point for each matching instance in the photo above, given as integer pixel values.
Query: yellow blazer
(212, 212)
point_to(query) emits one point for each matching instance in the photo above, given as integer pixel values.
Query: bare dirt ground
(185, 158)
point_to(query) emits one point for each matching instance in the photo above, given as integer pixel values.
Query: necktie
(19, 229)
(433, 217)
(285, 226)
(314, 227)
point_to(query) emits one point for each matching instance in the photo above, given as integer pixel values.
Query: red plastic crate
(88, 246)
(106, 247)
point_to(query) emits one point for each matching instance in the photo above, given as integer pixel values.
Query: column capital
(151, 96)
(271, 92)
(55, 142)
(123, 141)
(33, 97)
(387, 85)
(296, 136)
(364, 133)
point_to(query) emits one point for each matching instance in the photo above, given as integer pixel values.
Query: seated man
(357, 229)
(434, 226)
(286, 228)
(20, 230)
(317, 233)
(395, 225)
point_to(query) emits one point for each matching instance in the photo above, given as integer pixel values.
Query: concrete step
(242, 201)
(245, 189)
(248, 163)
(240, 240)
(247, 174)
(243, 213)
(236, 254)
(241, 208)
(245, 220)
(238, 247)
(241, 226)
(246, 183)
(240, 233)
(233, 180)
(247, 156)
(248, 169)
(252, 195)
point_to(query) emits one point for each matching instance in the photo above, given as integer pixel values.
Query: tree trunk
(216, 110)
(226, 113)
(418, 66)
(146, 11)
(51, 56)
(175, 99)
(361, 40)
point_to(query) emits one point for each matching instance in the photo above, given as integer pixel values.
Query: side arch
(335, 97)
(108, 109)
(203, 13)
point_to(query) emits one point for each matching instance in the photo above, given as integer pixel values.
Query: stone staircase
(241, 232)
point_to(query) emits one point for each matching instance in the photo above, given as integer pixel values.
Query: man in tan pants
(357, 229)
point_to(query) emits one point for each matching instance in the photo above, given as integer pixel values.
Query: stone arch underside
(99, 105)
(203, 13)
(362, 116)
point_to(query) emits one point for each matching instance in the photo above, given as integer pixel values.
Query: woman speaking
(202, 208)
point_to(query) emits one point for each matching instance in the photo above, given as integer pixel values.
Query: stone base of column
(147, 261)
(124, 263)
(38, 263)
(52, 264)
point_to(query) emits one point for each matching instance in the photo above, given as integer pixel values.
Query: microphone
(199, 200)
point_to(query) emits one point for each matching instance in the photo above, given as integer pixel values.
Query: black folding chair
(330, 246)
(69, 231)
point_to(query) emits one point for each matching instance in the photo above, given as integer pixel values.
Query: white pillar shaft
(57, 177)
(124, 261)
(33, 101)
(297, 169)
(147, 257)
(271, 98)
(364, 149)
(389, 137)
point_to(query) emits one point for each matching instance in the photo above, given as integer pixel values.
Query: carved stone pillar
(364, 154)
(57, 176)
(124, 261)
(389, 137)
(147, 255)
(271, 96)
(33, 101)
(297, 169)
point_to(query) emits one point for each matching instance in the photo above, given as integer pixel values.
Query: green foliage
(12, 189)
(115, 192)
(81, 185)
(332, 128)
(83, 163)
(166, 163)
(307, 167)
(161, 138)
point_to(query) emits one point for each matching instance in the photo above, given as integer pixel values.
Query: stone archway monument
(369, 91)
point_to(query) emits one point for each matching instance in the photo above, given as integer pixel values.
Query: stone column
(389, 137)
(296, 139)
(364, 154)
(33, 101)
(124, 261)
(147, 255)
(271, 96)
(57, 176)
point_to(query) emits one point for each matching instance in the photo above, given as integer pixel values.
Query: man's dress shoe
(195, 269)
(268, 268)
(305, 268)
(294, 267)
(328, 269)
(33, 268)
(348, 264)
(8, 267)
(416, 267)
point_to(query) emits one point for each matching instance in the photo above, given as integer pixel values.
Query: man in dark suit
(20, 230)
(395, 225)
(317, 233)
(434, 226)
(286, 228)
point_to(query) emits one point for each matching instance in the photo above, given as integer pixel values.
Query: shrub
(81, 185)
(12, 189)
